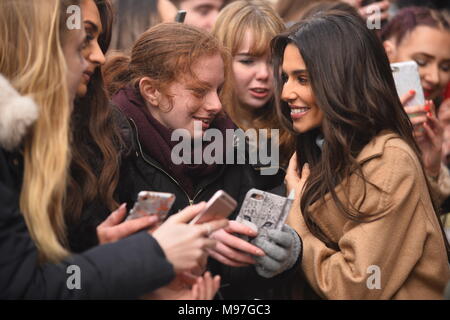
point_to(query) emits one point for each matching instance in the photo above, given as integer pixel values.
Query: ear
(149, 92)
(391, 49)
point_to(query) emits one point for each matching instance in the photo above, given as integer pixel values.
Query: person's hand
(114, 229)
(282, 248)
(233, 251)
(295, 180)
(184, 245)
(428, 133)
(204, 288)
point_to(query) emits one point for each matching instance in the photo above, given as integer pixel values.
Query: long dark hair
(351, 78)
(96, 139)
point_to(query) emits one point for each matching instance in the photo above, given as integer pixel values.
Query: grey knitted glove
(282, 248)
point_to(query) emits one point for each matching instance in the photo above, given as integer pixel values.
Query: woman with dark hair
(363, 207)
(95, 136)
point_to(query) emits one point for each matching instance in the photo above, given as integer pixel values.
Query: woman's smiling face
(188, 103)
(430, 48)
(297, 92)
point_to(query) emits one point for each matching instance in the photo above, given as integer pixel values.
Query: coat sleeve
(126, 269)
(375, 257)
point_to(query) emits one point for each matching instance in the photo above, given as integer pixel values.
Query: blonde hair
(259, 18)
(31, 57)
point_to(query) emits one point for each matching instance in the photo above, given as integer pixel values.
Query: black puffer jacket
(145, 174)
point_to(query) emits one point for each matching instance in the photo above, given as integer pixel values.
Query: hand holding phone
(407, 78)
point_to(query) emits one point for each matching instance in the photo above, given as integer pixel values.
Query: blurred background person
(422, 35)
(201, 13)
(293, 10)
(133, 17)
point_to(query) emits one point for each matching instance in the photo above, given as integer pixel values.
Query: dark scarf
(156, 139)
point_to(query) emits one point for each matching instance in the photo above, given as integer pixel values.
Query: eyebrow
(204, 6)
(430, 56)
(297, 72)
(93, 25)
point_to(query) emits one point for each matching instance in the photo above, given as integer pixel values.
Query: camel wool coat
(397, 252)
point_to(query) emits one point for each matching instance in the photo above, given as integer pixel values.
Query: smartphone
(220, 206)
(181, 16)
(264, 211)
(149, 203)
(406, 77)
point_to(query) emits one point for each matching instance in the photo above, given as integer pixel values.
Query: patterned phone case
(149, 203)
(264, 210)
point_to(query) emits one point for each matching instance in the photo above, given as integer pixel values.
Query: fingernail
(427, 108)
(123, 205)
(411, 92)
(260, 253)
(429, 114)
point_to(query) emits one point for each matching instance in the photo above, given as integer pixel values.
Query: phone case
(265, 211)
(149, 203)
(406, 77)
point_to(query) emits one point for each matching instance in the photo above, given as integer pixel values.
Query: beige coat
(400, 254)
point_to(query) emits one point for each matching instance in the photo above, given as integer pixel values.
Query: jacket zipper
(191, 201)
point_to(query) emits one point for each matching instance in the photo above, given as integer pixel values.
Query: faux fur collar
(17, 114)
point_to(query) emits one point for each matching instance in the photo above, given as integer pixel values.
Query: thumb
(407, 97)
(189, 213)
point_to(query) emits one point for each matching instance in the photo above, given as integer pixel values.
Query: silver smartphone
(220, 206)
(406, 77)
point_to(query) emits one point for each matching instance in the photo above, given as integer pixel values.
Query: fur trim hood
(17, 114)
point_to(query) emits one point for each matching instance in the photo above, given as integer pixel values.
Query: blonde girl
(246, 27)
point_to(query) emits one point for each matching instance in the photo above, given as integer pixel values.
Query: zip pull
(191, 202)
